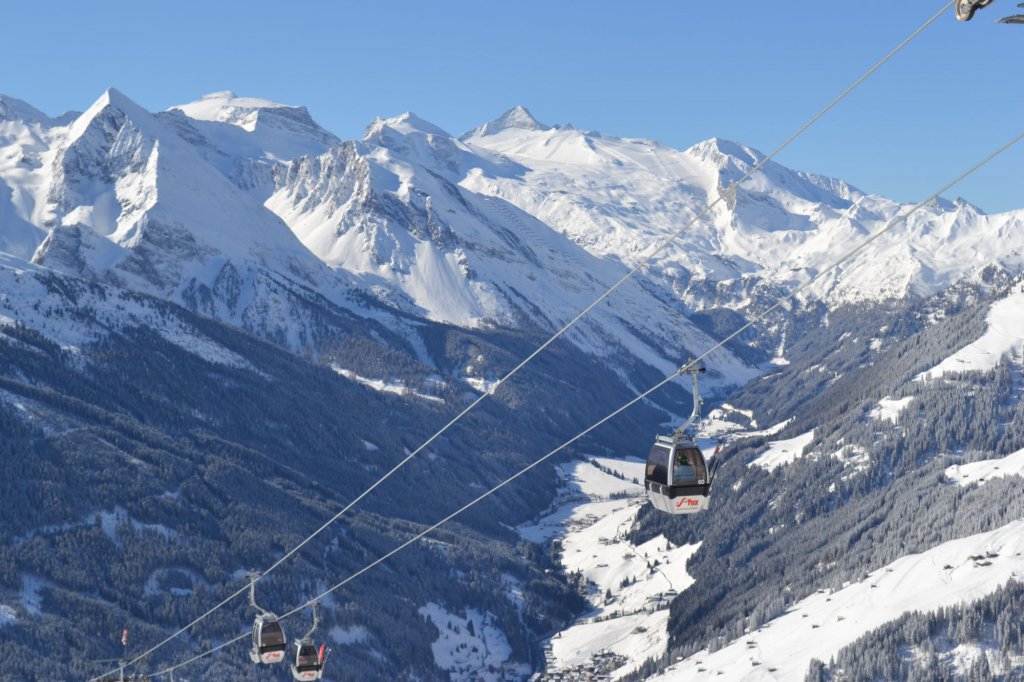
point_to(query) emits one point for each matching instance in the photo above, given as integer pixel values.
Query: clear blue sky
(677, 72)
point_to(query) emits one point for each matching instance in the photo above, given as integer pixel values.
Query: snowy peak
(405, 124)
(113, 139)
(108, 113)
(246, 112)
(961, 204)
(127, 193)
(252, 128)
(405, 143)
(113, 98)
(722, 152)
(13, 109)
(517, 118)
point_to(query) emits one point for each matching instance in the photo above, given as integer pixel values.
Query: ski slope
(986, 470)
(819, 626)
(1005, 335)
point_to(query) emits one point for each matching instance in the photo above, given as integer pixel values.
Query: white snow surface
(7, 615)
(392, 209)
(480, 654)
(516, 218)
(618, 196)
(822, 624)
(987, 469)
(890, 409)
(229, 204)
(257, 128)
(1004, 336)
(781, 452)
(384, 386)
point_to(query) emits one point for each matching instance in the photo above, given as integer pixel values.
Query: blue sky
(677, 72)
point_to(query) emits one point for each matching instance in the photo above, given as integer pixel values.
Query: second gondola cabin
(307, 665)
(676, 477)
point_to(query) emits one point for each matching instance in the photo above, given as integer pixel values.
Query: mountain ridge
(230, 327)
(392, 215)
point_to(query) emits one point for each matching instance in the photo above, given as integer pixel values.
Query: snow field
(471, 648)
(781, 452)
(384, 387)
(1005, 334)
(819, 626)
(889, 409)
(591, 481)
(986, 470)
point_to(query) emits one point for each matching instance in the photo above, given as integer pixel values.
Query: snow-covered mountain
(617, 196)
(125, 199)
(246, 138)
(390, 210)
(23, 139)
(230, 204)
(172, 204)
(393, 271)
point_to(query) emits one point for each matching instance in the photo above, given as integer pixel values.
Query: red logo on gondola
(687, 501)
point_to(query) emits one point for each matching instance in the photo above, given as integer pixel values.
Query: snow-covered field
(890, 409)
(781, 452)
(383, 386)
(819, 626)
(728, 423)
(986, 470)
(631, 586)
(1005, 335)
(471, 647)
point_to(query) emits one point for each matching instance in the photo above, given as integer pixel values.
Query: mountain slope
(156, 449)
(24, 142)
(389, 209)
(875, 484)
(617, 196)
(247, 138)
(129, 201)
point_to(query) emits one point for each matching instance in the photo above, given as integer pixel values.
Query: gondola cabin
(676, 477)
(307, 664)
(268, 641)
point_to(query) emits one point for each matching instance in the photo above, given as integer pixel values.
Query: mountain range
(186, 292)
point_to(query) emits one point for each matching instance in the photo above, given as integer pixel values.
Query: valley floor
(629, 586)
